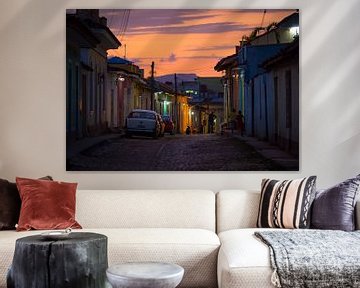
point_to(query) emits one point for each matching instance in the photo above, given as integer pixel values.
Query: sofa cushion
(236, 209)
(286, 204)
(196, 250)
(46, 204)
(244, 261)
(334, 208)
(10, 204)
(153, 209)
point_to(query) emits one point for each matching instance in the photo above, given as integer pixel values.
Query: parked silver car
(143, 123)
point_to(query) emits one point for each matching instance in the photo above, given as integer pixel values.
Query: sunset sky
(183, 40)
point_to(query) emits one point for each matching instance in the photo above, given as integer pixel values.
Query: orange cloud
(186, 41)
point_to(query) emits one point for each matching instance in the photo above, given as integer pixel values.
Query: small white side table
(145, 275)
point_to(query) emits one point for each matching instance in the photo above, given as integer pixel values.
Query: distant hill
(180, 78)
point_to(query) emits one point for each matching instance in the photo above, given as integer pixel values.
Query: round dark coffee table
(79, 260)
(145, 275)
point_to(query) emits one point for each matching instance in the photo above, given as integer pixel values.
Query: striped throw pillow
(286, 204)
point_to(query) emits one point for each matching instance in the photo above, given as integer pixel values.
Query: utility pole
(177, 116)
(152, 86)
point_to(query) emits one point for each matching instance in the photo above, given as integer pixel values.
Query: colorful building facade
(87, 38)
(262, 81)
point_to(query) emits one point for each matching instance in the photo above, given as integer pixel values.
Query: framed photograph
(182, 90)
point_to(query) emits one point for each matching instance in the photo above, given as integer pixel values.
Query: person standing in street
(232, 122)
(240, 123)
(211, 121)
(204, 126)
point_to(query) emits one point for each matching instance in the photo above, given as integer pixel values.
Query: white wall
(32, 94)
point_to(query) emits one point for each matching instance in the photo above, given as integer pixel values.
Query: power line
(126, 23)
(119, 23)
(111, 17)
(262, 20)
(121, 27)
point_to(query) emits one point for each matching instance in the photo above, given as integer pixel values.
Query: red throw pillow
(10, 204)
(46, 204)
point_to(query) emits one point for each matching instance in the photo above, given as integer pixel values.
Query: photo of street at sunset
(182, 90)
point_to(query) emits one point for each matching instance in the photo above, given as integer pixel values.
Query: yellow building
(168, 102)
(184, 113)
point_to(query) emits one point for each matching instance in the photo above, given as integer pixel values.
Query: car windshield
(141, 114)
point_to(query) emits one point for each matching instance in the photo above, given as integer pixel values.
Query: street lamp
(294, 31)
(119, 78)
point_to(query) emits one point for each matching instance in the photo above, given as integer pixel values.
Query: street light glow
(294, 31)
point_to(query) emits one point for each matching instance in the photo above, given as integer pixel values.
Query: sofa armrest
(357, 215)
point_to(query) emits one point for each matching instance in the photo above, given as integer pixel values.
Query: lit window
(294, 31)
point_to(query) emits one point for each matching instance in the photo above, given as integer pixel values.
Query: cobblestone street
(198, 152)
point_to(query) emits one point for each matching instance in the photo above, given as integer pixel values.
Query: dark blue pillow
(9, 205)
(334, 208)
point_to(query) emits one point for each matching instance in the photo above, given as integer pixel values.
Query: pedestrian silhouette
(233, 118)
(203, 126)
(211, 121)
(240, 123)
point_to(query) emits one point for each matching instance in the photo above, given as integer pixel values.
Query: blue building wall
(254, 98)
(251, 57)
(269, 116)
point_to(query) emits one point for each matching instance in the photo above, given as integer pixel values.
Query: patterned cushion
(286, 204)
